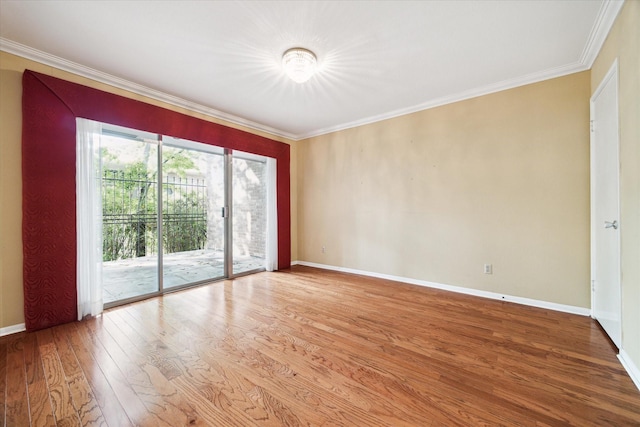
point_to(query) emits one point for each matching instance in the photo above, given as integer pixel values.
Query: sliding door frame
(227, 215)
(159, 227)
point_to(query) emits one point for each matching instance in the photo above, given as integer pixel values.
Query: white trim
(27, 52)
(607, 15)
(630, 367)
(592, 204)
(458, 289)
(461, 96)
(81, 70)
(611, 74)
(13, 329)
(601, 27)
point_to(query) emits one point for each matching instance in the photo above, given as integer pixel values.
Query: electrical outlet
(323, 249)
(488, 269)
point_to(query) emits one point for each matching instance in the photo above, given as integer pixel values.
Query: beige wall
(500, 179)
(11, 68)
(11, 302)
(623, 43)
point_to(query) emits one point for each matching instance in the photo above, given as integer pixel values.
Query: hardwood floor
(313, 347)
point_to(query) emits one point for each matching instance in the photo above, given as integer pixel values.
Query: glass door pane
(249, 212)
(163, 225)
(129, 162)
(193, 195)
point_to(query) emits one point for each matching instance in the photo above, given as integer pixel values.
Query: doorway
(176, 213)
(605, 207)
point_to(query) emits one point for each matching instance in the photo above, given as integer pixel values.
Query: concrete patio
(138, 276)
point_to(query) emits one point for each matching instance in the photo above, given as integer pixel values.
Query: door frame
(161, 142)
(611, 74)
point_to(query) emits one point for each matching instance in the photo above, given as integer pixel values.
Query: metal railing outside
(130, 218)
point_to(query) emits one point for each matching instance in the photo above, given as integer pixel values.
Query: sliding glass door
(129, 166)
(193, 225)
(249, 212)
(176, 213)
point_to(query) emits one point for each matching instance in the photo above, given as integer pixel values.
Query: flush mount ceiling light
(299, 64)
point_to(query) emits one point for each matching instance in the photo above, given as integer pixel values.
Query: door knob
(611, 224)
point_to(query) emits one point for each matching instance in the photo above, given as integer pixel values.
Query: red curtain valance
(50, 107)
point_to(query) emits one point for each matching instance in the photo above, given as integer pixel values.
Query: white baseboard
(8, 330)
(475, 292)
(631, 367)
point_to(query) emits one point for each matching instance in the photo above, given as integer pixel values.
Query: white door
(605, 207)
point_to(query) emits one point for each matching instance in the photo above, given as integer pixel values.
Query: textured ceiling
(377, 59)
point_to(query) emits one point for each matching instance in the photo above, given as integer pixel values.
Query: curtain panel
(50, 107)
(88, 219)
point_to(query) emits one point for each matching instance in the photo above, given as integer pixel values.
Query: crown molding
(27, 52)
(607, 14)
(460, 96)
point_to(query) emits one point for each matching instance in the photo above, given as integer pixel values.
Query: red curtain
(50, 107)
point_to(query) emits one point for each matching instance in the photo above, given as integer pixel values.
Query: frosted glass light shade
(299, 64)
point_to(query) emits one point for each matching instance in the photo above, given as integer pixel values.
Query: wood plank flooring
(313, 347)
